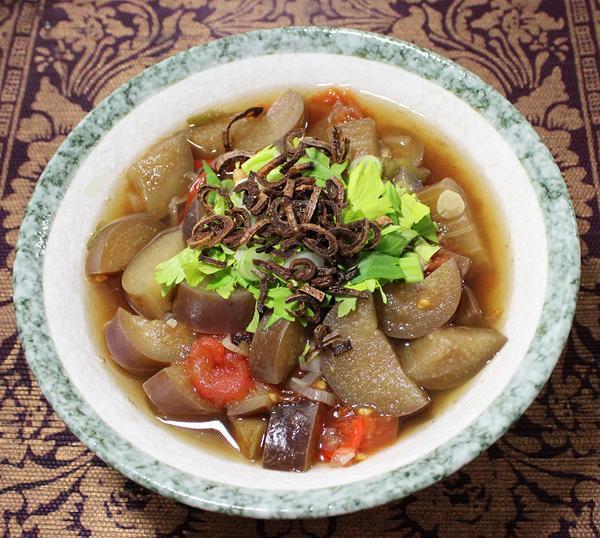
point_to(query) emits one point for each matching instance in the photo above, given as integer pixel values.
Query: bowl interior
(165, 111)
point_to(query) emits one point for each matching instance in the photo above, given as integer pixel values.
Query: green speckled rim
(542, 355)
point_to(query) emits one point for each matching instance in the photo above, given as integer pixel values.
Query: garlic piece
(450, 205)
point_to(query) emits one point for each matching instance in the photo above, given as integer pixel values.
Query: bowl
(49, 283)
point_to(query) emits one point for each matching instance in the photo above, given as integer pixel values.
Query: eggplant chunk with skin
(285, 114)
(194, 213)
(207, 139)
(174, 397)
(143, 346)
(450, 356)
(274, 352)
(206, 312)
(413, 310)
(363, 137)
(369, 374)
(249, 434)
(260, 399)
(450, 208)
(469, 312)
(143, 292)
(113, 247)
(403, 145)
(292, 436)
(161, 175)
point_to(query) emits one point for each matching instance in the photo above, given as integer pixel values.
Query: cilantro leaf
(182, 266)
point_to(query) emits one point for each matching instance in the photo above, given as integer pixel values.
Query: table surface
(59, 59)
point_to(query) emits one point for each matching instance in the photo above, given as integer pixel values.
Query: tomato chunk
(217, 374)
(379, 432)
(342, 438)
(335, 101)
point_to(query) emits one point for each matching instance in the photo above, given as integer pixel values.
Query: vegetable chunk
(413, 310)
(160, 175)
(143, 292)
(292, 436)
(142, 346)
(249, 434)
(275, 350)
(369, 375)
(448, 357)
(113, 247)
(207, 312)
(172, 394)
(362, 134)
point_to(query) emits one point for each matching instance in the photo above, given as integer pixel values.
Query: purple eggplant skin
(448, 357)
(113, 247)
(274, 352)
(143, 292)
(292, 436)
(194, 213)
(207, 312)
(369, 374)
(413, 310)
(142, 346)
(174, 397)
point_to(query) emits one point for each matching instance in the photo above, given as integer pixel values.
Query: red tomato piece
(322, 104)
(217, 374)
(349, 429)
(379, 431)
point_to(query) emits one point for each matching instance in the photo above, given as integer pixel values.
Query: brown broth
(443, 158)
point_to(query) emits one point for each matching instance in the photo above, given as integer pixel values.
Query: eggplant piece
(459, 232)
(463, 262)
(292, 436)
(161, 175)
(207, 312)
(363, 137)
(143, 292)
(207, 139)
(469, 312)
(413, 310)
(274, 352)
(450, 356)
(369, 374)
(142, 346)
(260, 399)
(405, 179)
(113, 247)
(194, 213)
(249, 434)
(285, 114)
(174, 397)
(403, 146)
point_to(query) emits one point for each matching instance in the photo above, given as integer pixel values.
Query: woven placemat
(59, 59)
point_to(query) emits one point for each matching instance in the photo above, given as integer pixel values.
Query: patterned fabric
(59, 59)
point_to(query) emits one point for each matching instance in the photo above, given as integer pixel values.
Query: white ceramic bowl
(50, 283)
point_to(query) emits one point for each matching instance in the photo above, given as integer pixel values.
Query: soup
(309, 277)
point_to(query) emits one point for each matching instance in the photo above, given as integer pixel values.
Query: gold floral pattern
(541, 479)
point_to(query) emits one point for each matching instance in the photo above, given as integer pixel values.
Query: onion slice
(312, 365)
(301, 387)
(244, 349)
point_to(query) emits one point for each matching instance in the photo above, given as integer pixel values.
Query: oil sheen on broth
(444, 159)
